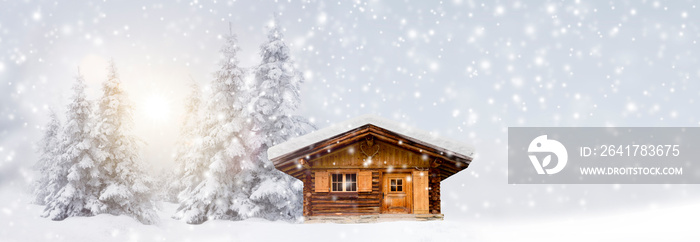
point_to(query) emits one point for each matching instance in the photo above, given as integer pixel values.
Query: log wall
(345, 203)
(307, 193)
(434, 192)
(352, 158)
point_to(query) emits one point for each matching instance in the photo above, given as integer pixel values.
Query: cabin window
(337, 182)
(350, 182)
(344, 182)
(396, 185)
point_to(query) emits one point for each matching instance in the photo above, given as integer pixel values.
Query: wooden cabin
(371, 168)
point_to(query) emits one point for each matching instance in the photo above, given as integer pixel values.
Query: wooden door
(397, 193)
(420, 192)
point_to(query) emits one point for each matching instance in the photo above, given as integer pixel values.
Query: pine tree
(125, 187)
(75, 176)
(211, 181)
(188, 141)
(50, 154)
(232, 178)
(277, 87)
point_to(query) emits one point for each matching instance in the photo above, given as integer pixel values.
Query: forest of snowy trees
(90, 163)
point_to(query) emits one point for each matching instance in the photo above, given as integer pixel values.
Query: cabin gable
(379, 154)
(401, 150)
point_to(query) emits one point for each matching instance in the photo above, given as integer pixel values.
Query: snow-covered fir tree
(188, 141)
(277, 86)
(73, 180)
(125, 187)
(211, 180)
(229, 176)
(50, 151)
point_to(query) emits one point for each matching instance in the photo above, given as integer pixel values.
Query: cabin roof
(458, 154)
(458, 148)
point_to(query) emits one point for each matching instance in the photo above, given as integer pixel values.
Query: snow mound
(342, 127)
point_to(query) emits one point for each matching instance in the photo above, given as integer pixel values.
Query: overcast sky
(466, 70)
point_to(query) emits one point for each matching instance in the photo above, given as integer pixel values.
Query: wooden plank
(322, 184)
(333, 196)
(434, 193)
(346, 202)
(364, 181)
(392, 154)
(307, 194)
(318, 200)
(346, 210)
(420, 192)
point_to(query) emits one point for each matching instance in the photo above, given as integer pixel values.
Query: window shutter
(420, 192)
(321, 181)
(364, 181)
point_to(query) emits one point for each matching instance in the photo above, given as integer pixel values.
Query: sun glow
(157, 108)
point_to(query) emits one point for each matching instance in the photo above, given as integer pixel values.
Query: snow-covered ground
(20, 221)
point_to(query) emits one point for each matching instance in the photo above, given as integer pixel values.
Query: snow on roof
(396, 127)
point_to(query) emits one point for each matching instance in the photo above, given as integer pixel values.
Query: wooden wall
(307, 193)
(434, 192)
(351, 203)
(388, 158)
(388, 155)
